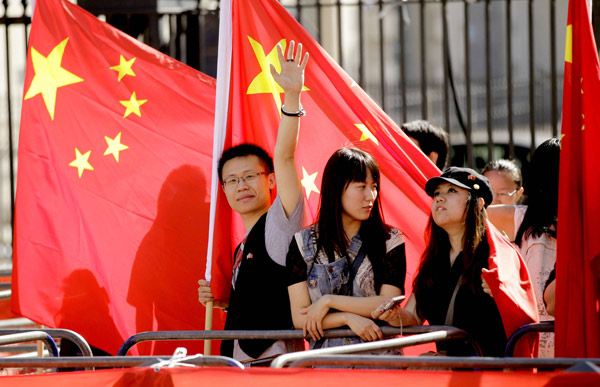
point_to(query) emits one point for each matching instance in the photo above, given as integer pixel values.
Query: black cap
(465, 178)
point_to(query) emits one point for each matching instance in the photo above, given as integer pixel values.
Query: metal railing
(546, 326)
(440, 362)
(67, 334)
(281, 335)
(24, 337)
(449, 333)
(111, 361)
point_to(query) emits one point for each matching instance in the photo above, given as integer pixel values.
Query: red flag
(112, 197)
(338, 113)
(509, 281)
(578, 256)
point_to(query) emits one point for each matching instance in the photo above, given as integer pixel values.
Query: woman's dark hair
(475, 251)
(343, 167)
(542, 192)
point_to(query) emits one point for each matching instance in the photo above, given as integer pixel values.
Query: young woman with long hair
(349, 261)
(450, 287)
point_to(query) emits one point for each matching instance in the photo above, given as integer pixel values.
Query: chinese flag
(112, 194)
(338, 114)
(578, 257)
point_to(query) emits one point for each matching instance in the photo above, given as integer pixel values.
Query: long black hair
(542, 192)
(345, 166)
(475, 252)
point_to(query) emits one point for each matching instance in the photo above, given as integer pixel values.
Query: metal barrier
(31, 336)
(546, 326)
(278, 335)
(438, 362)
(423, 338)
(112, 361)
(16, 322)
(56, 333)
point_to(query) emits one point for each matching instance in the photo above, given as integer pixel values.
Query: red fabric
(334, 105)
(119, 249)
(578, 257)
(509, 281)
(291, 377)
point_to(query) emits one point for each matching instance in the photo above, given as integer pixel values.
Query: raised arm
(291, 79)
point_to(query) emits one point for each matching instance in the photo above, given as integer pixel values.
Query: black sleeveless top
(260, 299)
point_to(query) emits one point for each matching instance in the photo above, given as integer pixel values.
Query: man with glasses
(259, 298)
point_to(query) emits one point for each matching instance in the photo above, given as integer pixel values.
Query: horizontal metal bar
(261, 335)
(15, 322)
(31, 336)
(75, 337)
(438, 362)
(5, 294)
(401, 342)
(111, 361)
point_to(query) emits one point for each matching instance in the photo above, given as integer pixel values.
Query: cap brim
(433, 183)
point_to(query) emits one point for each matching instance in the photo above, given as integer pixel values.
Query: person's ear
(481, 203)
(433, 156)
(519, 193)
(272, 180)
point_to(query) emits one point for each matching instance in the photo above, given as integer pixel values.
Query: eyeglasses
(232, 182)
(509, 194)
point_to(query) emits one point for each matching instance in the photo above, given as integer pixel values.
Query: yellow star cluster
(50, 75)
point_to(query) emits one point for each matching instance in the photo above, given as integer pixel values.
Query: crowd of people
(344, 268)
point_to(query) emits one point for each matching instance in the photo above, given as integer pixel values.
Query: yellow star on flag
(569, 44)
(133, 105)
(264, 83)
(366, 134)
(124, 67)
(49, 75)
(114, 146)
(308, 182)
(81, 162)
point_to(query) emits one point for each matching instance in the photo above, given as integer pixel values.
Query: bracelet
(299, 113)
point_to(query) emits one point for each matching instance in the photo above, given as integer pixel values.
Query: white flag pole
(220, 131)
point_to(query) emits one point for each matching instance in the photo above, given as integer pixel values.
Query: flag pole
(220, 131)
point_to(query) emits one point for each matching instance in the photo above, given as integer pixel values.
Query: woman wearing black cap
(449, 286)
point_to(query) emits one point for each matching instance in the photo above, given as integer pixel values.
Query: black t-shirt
(474, 312)
(392, 272)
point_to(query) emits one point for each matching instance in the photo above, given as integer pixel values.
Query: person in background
(535, 236)
(458, 281)
(349, 261)
(431, 139)
(247, 173)
(505, 178)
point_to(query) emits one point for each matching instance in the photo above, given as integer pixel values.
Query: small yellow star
(133, 105)
(308, 182)
(124, 67)
(49, 75)
(81, 162)
(562, 135)
(366, 134)
(114, 146)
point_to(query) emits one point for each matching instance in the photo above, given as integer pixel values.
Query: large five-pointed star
(308, 182)
(124, 67)
(114, 146)
(366, 133)
(49, 75)
(133, 105)
(81, 162)
(264, 83)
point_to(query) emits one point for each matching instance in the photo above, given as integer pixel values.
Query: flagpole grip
(208, 318)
